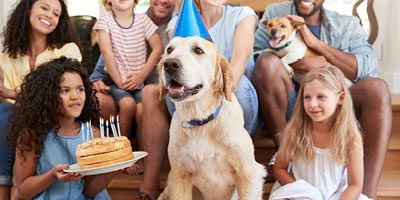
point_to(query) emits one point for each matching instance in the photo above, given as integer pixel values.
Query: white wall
(387, 44)
(5, 7)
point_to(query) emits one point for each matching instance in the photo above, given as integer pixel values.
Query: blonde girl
(321, 152)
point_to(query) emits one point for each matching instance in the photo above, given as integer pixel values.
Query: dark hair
(16, 33)
(38, 107)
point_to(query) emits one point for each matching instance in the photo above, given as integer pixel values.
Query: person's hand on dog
(309, 38)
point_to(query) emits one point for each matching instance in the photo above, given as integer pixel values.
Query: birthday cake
(99, 152)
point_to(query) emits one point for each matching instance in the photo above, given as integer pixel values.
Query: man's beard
(305, 15)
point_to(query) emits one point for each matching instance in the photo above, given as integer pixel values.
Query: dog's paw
(264, 51)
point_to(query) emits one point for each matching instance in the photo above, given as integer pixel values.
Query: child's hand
(133, 81)
(63, 176)
(99, 86)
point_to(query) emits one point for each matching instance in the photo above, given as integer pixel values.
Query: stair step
(125, 186)
(396, 114)
(389, 185)
(392, 160)
(396, 102)
(394, 144)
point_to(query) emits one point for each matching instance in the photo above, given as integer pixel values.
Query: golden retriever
(214, 157)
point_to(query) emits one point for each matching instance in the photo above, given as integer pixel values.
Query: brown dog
(285, 42)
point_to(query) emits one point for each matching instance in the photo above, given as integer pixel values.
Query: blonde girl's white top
(324, 175)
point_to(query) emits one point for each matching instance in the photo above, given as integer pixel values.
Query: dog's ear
(265, 22)
(163, 90)
(296, 24)
(228, 85)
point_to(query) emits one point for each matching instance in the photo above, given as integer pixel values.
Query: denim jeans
(7, 154)
(248, 100)
(119, 94)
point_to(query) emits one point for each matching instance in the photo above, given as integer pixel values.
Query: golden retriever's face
(191, 67)
(279, 30)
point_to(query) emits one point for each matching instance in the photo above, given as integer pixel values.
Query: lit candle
(87, 131)
(113, 128)
(90, 128)
(107, 128)
(119, 129)
(101, 128)
(83, 133)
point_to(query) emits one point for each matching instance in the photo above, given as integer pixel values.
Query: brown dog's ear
(163, 90)
(265, 22)
(296, 24)
(227, 77)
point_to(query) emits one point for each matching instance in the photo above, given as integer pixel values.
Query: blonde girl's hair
(296, 136)
(108, 5)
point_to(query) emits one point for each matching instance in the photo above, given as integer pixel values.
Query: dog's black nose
(273, 32)
(172, 65)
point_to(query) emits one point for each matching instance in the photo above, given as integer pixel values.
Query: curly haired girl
(46, 125)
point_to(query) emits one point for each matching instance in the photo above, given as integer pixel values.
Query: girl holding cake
(46, 125)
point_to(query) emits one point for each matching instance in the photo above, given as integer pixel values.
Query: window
(86, 7)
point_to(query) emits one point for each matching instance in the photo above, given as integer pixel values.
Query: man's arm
(347, 62)
(357, 61)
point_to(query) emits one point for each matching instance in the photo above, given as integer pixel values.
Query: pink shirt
(128, 44)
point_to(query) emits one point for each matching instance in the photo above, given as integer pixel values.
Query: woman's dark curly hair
(38, 108)
(17, 32)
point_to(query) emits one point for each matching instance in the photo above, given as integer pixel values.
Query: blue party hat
(190, 23)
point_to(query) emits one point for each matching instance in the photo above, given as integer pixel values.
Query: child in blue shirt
(46, 125)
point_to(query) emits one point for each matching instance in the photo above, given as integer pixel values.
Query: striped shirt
(128, 44)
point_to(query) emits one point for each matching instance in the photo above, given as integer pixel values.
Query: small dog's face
(192, 66)
(279, 30)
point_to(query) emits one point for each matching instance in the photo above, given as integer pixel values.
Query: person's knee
(248, 100)
(105, 101)
(265, 67)
(127, 105)
(150, 92)
(373, 90)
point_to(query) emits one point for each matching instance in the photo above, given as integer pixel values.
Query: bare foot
(135, 169)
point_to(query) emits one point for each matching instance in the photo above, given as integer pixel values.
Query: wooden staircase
(389, 185)
(125, 187)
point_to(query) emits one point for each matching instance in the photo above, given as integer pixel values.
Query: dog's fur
(213, 160)
(281, 31)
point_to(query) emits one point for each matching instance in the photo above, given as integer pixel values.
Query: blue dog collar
(201, 122)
